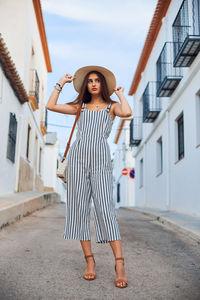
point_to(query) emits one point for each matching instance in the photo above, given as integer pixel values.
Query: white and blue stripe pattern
(90, 175)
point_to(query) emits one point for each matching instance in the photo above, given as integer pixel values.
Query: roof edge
(156, 22)
(41, 27)
(11, 73)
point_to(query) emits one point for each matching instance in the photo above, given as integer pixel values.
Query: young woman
(89, 171)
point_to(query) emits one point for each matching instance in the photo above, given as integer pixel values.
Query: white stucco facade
(176, 187)
(124, 185)
(20, 32)
(51, 162)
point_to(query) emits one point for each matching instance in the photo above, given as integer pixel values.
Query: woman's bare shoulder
(114, 102)
(75, 106)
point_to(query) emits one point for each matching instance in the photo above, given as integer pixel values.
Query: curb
(182, 229)
(21, 208)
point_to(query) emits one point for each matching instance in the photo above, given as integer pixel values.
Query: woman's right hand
(66, 78)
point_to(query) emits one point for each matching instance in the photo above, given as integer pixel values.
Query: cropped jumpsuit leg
(90, 176)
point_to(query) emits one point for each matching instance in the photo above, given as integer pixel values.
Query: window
(159, 156)
(46, 117)
(196, 17)
(180, 127)
(180, 26)
(118, 192)
(28, 142)
(12, 134)
(141, 172)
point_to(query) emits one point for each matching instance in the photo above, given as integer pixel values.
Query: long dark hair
(84, 94)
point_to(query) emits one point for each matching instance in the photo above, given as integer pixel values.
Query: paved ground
(37, 263)
(187, 223)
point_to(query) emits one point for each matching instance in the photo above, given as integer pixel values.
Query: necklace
(97, 106)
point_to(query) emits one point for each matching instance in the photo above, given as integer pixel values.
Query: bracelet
(59, 85)
(60, 90)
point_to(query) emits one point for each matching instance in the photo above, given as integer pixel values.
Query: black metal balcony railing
(151, 103)
(186, 34)
(35, 84)
(168, 77)
(135, 131)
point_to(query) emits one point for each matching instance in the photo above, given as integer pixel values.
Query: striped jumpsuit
(90, 175)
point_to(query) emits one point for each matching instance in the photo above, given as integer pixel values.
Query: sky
(87, 32)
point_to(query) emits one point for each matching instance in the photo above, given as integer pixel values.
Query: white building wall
(20, 31)
(177, 187)
(21, 34)
(50, 163)
(185, 173)
(51, 160)
(123, 159)
(8, 104)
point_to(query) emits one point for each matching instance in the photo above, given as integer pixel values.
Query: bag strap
(68, 143)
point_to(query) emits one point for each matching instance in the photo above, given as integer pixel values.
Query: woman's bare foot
(90, 268)
(120, 273)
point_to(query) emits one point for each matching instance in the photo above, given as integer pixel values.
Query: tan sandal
(91, 274)
(120, 280)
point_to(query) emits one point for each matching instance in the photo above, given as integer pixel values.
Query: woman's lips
(94, 89)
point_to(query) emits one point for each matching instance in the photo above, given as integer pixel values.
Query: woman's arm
(123, 109)
(61, 108)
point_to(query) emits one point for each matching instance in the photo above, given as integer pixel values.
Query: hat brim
(82, 72)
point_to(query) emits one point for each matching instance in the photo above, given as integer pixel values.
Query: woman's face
(94, 84)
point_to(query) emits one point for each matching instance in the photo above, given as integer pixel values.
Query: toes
(121, 284)
(89, 276)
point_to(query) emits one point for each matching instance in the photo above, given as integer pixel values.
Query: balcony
(151, 103)
(34, 89)
(168, 77)
(186, 34)
(135, 131)
(43, 124)
(43, 127)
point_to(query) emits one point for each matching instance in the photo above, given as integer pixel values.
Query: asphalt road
(37, 263)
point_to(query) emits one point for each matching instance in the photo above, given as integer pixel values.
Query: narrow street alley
(37, 263)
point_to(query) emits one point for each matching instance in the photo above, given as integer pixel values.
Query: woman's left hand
(119, 90)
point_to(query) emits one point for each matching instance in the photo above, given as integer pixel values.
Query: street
(37, 263)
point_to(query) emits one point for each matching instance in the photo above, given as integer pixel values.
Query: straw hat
(82, 72)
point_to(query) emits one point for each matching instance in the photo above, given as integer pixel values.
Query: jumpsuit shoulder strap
(109, 106)
(83, 106)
